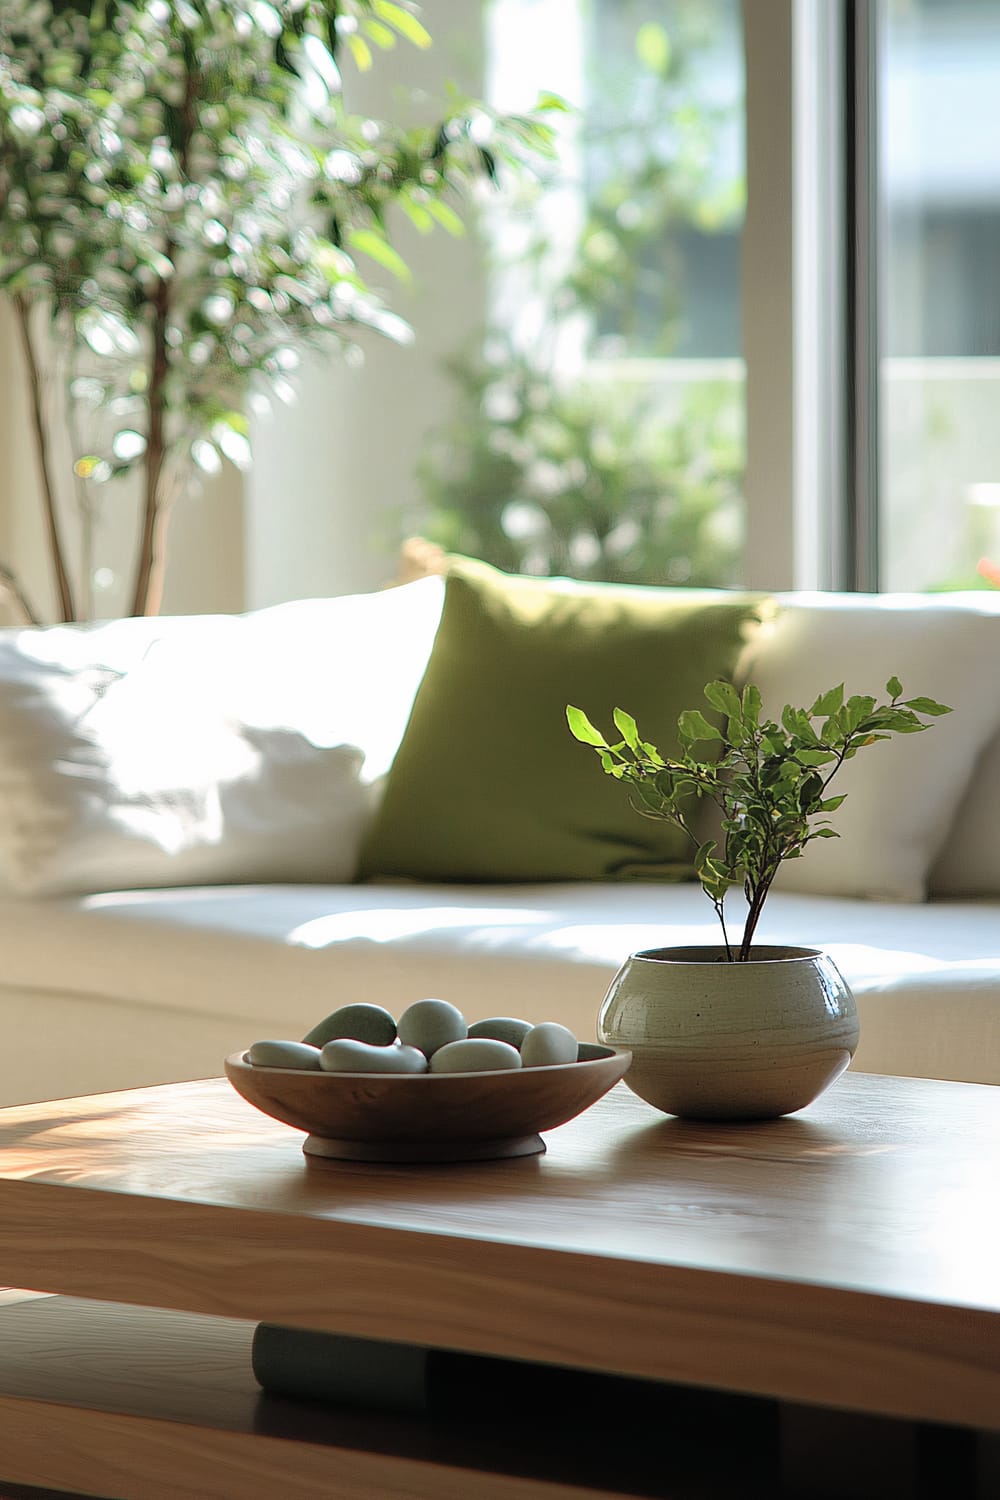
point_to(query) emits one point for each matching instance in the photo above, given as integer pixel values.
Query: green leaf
(927, 706)
(582, 729)
(369, 242)
(894, 687)
(856, 709)
(796, 723)
(810, 792)
(381, 35)
(406, 24)
(360, 51)
(648, 793)
(626, 726)
(550, 101)
(704, 853)
(752, 704)
(724, 697)
(828, 703)
(652, 47)
(446, 216)
(814, 757)
(418, 214)
(692, 725)
(830, 804)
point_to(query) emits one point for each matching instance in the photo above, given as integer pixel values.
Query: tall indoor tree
(186, 202)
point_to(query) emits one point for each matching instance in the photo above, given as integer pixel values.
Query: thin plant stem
(720, 913)
(64, 589)
(83, 502)
(152, 560)
(10, 583)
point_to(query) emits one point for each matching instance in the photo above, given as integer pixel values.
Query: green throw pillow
(489, 784)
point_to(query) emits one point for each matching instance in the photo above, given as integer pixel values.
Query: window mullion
(864, 342)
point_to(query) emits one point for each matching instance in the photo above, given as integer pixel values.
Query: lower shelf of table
(100, 1399)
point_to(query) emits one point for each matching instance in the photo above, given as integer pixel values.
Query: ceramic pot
(713, 1040)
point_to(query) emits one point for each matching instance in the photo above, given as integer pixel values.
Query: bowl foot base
(427, 1151)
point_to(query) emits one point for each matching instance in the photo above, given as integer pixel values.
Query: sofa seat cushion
(258, 961)
(489, 784)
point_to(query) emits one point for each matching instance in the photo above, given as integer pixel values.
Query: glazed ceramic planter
(713, 1040)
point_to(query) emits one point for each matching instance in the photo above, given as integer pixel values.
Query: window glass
(597, 424)
(939, 103)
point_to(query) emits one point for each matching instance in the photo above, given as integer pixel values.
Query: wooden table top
(811, 1257)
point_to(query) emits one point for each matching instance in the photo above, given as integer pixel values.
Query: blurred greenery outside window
(597, 423)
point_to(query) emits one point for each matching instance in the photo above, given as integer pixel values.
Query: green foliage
(538, 475)
(602, 471)
(769, 781)
(654, 153)
(185, 191)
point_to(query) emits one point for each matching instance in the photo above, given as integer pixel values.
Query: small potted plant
(741, 1030)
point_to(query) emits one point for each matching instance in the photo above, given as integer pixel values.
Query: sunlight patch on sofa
(381, 926)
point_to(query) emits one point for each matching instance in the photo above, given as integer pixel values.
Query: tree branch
(64, 590)
(152, 560)
(10, 583)
(148, 589)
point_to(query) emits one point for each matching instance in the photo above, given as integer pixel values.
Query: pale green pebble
(344, 1055)
(362, 1023)
(283, 1055)
(430, 1024)
(547, 1044)
(475, 1055)
(502, 1029)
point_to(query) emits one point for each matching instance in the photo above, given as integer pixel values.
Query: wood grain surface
(153, 1405)
(844, 1256)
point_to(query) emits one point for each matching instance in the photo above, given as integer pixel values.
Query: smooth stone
(547, 1044)
(283, 1055)
(362, 1023)
(502, 1029)
(430, 1024)
(475, 1055)
(344, 1055)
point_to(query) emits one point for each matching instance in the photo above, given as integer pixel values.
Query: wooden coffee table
(841, 1260)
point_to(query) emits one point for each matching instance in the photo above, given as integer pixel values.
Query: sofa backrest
(913, 820)
(298, 681)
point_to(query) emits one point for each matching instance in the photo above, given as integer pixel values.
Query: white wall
(331, 471)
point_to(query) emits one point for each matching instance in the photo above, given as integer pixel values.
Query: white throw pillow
(204, 750)
(969, 863)
(149, 784)
(902, 794)
(342, 671)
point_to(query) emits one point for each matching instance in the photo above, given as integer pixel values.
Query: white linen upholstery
(125, 987)
(902, 795)
(969, 863)
(160, 753)
(163, 983)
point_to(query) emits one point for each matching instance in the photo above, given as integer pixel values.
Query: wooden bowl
(428, 1116)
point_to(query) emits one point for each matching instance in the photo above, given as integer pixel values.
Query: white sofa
(183, 802)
